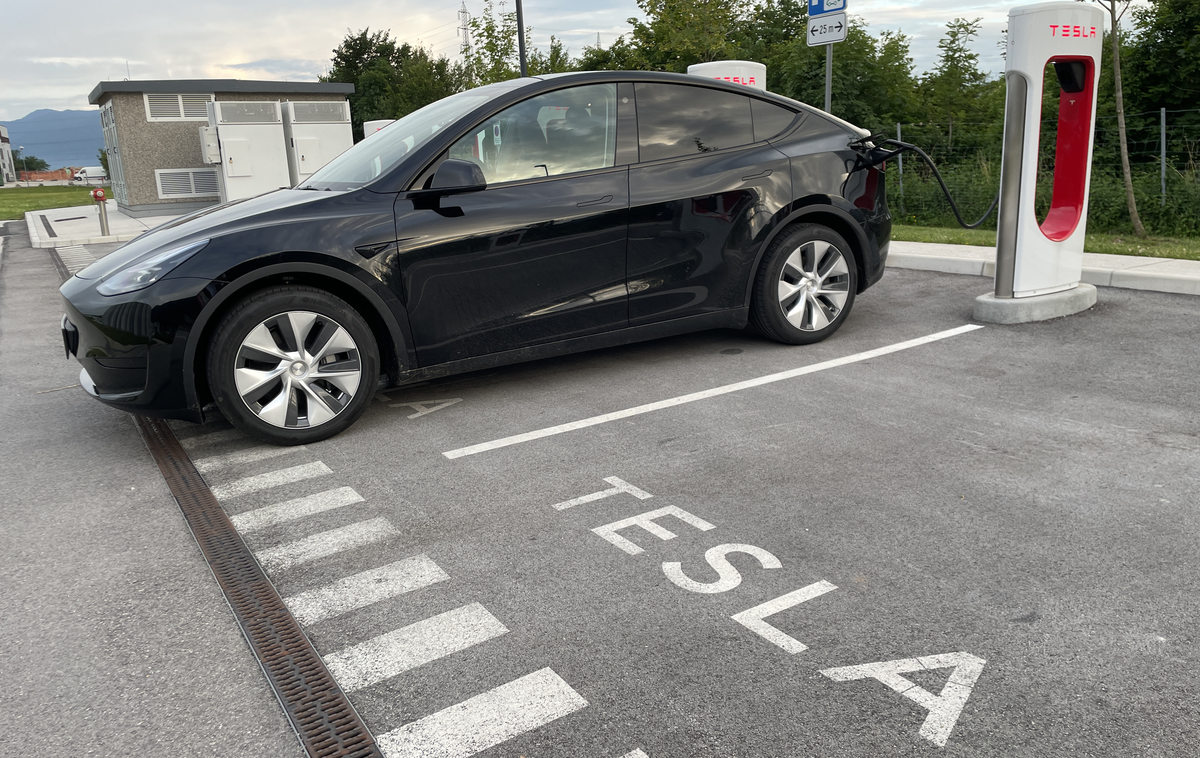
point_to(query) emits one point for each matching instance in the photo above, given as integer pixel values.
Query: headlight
(141, 274)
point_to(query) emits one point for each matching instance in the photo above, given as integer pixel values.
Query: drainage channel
(320, 713)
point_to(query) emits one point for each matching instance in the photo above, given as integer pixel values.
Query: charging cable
(872, 151)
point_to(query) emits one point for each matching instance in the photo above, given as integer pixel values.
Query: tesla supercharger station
(316, 133)
(1039, 262)
(370, 127)
(246, 138)
(748, 73)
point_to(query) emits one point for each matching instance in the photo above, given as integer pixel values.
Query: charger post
(1039, 264)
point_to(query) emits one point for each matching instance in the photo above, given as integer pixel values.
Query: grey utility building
(152, 135)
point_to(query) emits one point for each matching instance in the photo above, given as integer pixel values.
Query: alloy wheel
(297, 370)
(814, 285)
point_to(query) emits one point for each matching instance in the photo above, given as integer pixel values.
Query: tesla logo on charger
(1072, 31)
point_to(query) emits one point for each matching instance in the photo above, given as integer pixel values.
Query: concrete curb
(38, 240)
(1170, 275)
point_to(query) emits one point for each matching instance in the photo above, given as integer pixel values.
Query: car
(534, 217)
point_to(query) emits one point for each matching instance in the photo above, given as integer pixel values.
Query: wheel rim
(814, 285)
(297, 370)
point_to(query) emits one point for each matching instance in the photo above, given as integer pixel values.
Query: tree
(24, 162)
(1116, 9)
(556, 61)
(494, 55)
(389, 80)
(678, 33)
(103, 157)
(619, 56)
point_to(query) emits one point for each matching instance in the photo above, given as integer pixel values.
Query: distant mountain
(61, 138)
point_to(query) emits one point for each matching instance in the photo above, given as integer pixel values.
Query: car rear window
(676, 120)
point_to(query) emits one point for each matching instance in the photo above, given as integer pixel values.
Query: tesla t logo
(1072, 31)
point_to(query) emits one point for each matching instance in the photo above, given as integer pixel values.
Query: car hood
(210, 223)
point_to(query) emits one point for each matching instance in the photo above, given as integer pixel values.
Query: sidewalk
(1128, 271)
(80, 225)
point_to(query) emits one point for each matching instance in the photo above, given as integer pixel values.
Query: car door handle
(760, 175)
(597, 201)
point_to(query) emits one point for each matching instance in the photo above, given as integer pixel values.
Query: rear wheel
(292, 365)
(805, 286)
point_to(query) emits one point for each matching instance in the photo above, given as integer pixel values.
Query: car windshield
(385, 149)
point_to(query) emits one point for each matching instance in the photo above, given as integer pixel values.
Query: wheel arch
(385, 325)
(824, 213)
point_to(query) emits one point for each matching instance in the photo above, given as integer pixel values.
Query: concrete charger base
(1020, 310)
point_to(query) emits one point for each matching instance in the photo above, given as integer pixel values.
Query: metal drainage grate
(325, 721)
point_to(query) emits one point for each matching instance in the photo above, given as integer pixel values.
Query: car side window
(677, 119)
(769, 119)
(556, 133)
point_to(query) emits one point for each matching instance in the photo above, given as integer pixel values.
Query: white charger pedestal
(1039, 264)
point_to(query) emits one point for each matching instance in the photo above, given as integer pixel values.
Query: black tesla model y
(534, 217)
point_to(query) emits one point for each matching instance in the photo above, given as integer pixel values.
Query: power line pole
(464, 31)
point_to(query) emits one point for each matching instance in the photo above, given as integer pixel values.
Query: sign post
(826, 26)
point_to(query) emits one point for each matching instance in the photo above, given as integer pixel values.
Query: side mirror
(456, 175)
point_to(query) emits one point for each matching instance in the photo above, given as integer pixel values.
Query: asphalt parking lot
(984, 543)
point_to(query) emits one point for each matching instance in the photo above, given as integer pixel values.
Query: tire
(292, 365)
(805, 286)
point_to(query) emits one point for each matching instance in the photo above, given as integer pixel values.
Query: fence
(57, 175)
(1164, 152)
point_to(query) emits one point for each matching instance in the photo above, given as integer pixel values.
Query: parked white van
(91, 173)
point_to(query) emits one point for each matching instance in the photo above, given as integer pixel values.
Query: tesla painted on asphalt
(535, 217)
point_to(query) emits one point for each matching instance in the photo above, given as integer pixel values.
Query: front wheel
(293, 365)
(805, 286)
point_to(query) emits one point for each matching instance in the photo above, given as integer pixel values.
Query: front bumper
(130, 348)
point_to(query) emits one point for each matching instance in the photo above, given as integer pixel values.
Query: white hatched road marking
(270, 479)
(261, 518)
(705, 394)
(485, 720)
(392, 654)
(638, 753)
(211, 439)
(260, 453)
(365, 588)
(326, 544)
(75, 257)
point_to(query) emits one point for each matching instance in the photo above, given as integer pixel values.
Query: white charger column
(1039, 262)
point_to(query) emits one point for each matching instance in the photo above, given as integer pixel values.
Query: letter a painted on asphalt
(945, 708)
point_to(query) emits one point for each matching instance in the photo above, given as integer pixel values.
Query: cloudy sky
(65, 47)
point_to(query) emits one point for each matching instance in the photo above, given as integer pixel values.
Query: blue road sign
(819, 7)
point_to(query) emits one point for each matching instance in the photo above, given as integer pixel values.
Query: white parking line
(270, 479)
(260, 518)
(705, 394)
(261, 453)
(485, 720)
(365, 588)
(415, 645)
(326, 544)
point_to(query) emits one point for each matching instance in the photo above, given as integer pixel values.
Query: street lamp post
(21, 150)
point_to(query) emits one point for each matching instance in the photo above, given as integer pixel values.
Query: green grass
(1187, 248)
(15, 201)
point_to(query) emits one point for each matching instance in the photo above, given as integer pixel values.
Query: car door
(702, 197)
(537, 256)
